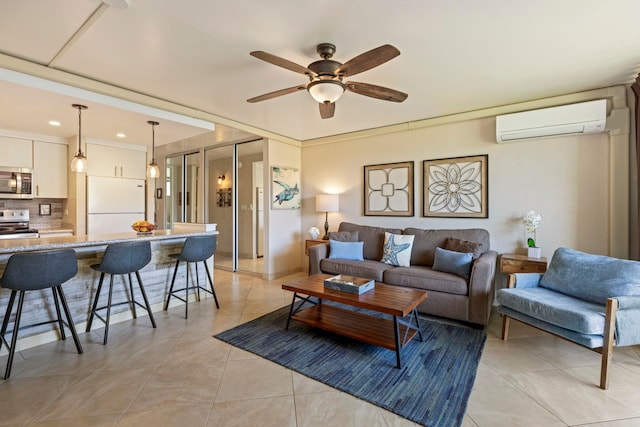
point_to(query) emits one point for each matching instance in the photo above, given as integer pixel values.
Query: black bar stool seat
(120, 259)
(33, 271)
(196, 249)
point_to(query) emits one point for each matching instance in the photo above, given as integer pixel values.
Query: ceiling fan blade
(327, 109)
(281, 62)
(368, 60)
(375, 91)
(277, 93)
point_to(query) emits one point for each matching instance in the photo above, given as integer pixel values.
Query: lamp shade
(326, 90)
(327, 202)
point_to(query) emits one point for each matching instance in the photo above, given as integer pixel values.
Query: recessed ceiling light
(120, 135)
(54, 123)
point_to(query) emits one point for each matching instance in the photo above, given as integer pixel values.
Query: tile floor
(178, 375)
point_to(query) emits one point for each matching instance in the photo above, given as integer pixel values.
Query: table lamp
(326, 203)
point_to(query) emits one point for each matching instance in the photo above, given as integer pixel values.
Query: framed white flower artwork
(456, 187)
(388, 189)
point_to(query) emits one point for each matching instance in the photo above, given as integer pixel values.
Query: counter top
(9, 246)
(54, 230)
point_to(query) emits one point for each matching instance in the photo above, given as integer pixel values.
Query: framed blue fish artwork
(285, 188)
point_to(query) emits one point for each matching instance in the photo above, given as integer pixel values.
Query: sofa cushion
(344, 236)
(373, 238)
(458, 245)
(590, 277)
(397, 249)
(345, 250)
(555, 308)
(457, 263)
(426, 242)
(427, 279)
(368, 269)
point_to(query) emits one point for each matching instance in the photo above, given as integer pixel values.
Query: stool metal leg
(213, 291)
(95, 303)
(71, 326)
(132, 302)
(7, 315)
(197, 282)
(175, 271)
(60, 322)
(14, 336)
(186, 298)
(146, 301)
(106, 326)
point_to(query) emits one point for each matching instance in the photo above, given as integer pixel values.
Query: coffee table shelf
(352, 324)
(395, 301)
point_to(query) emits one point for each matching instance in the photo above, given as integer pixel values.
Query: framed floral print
(388, 189)
(456, 187)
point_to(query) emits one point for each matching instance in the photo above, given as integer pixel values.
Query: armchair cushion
(591, 277)
(555, 308)
(628, 321)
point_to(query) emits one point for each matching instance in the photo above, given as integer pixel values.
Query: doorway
(236, 204)
(181, 187)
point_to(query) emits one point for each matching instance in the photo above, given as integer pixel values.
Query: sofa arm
(481, 287)
(628, 321)
(524, 280)
(316, 254)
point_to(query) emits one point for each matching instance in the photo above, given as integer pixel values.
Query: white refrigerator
(113, 204)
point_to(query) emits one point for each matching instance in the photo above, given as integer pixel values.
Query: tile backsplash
(53, 221)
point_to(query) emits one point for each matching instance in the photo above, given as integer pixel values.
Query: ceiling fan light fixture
(325, 91)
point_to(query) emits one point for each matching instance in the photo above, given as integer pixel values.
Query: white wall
(283, 238)
(564, 178)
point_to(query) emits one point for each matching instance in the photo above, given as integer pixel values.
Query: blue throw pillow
(346, 250)
(458, 263)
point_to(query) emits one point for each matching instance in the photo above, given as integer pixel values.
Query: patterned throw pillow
(397, 249)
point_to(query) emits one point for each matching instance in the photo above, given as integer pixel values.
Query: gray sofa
(449, 295)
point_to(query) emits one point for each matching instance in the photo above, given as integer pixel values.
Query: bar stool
(121, 258)
(33, 271)
(195, 249)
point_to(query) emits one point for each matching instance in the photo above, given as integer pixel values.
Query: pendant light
(79, 162)
(153, 171)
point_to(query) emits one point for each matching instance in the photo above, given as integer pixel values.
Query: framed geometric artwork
(388, 189)
(456, 187)
(285, 188)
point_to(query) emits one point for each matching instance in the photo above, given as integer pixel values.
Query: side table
(308, 243)
(512, 263)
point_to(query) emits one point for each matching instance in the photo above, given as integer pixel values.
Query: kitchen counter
(10, 246)
(79, 291)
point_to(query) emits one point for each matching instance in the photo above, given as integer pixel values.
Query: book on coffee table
(351, 284)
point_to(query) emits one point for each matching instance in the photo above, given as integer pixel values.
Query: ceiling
(455, 57)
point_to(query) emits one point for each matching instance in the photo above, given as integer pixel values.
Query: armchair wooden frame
(609, 334)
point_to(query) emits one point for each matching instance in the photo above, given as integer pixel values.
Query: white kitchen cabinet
(119, 162)
(16, 152)
(50, 170)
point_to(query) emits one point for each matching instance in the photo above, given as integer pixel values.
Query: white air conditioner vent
(581, 118)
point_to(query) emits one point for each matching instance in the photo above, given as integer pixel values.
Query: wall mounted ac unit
(581, 118)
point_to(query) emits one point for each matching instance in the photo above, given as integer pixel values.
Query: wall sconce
(221, 178)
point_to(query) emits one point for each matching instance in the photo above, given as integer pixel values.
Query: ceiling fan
(326, 75)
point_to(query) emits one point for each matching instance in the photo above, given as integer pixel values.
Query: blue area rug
(432, 388)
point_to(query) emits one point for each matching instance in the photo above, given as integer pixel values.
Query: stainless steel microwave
(16, 183)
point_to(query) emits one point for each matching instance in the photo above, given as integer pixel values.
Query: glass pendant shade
(79, 162)
(153, 171)
(326, 90)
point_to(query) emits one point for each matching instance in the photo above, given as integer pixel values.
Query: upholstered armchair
(591, 300)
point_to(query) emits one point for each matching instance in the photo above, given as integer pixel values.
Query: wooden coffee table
(396, 301)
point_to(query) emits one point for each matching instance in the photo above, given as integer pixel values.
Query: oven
(15, 183)
(14, 224)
